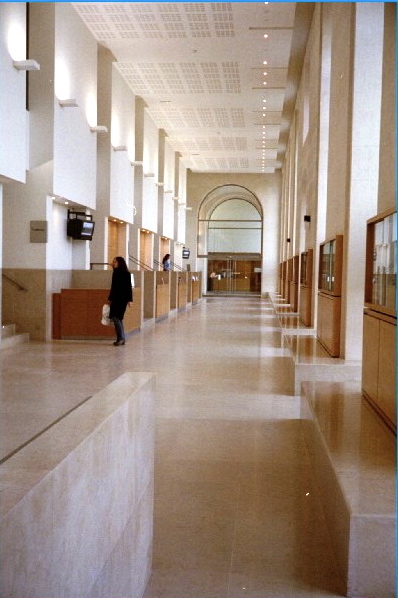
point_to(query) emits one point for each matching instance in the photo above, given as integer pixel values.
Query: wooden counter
(162, 300)
(195, 291)
(77, 314)
(182, 294)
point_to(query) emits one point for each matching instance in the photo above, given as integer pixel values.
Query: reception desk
(77, 314)
(162, 300)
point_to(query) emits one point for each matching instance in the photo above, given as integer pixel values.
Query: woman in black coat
(120, 295)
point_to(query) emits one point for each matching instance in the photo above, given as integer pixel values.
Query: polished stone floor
(236, 510)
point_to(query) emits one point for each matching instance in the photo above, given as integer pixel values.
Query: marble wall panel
(77, 527)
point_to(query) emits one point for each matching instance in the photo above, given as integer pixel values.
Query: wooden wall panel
(162, 300)
(305, 308)
(370, 355)
(386, 395)
(329, 318)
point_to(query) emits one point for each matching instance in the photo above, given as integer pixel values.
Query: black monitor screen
(87, 230)
(80, 229)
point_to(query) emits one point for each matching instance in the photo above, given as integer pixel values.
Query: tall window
(234, 226)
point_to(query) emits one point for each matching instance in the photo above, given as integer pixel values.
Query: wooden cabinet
(305, 295)
(329, 294)
(282, 278)
(294, 282)
(378, 364)
(379, 321)
(329, 319)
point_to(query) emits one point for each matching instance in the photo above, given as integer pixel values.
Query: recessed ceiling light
(265, 73)
(265, 35)
(265, 62)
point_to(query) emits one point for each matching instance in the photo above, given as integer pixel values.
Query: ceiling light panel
(199, 69)
(182, 78)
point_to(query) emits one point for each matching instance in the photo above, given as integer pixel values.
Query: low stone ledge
(353, 457)
(72, 497)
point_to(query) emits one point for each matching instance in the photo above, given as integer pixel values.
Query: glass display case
(381, 263)
(330, 265)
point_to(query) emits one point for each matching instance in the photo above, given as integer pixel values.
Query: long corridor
(236, 510)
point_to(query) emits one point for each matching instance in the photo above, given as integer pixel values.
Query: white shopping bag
(105, 315)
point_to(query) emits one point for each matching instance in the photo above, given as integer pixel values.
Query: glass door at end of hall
(234, 276)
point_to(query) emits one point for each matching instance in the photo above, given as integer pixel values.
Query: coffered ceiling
(219, 77)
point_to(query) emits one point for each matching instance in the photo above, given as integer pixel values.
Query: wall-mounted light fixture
(149, 174)
(307, 218)
(69, 103)
(187, 209)
(159, 184)
(175, 198)
(136, 163)
(99, 129)
(168, 190)
(119, 148)
(26, 65)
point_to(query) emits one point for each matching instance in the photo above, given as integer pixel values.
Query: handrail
(14, 282)
(172, 264)
(177, 267)
(99, 264)
(140, 263)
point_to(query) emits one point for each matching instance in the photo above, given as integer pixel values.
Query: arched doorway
(230, 239)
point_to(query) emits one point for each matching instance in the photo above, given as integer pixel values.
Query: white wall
(59, 246)
(13, 115)
(122, 134)
(75, 146)
(181, 214)
(364, 181)
(149, 189)
(1, 253)
(168, 203)
(21, 204)
(41, 85)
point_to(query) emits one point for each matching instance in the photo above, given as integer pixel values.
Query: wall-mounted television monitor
(80, 229)
(185, 253)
